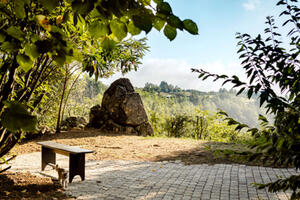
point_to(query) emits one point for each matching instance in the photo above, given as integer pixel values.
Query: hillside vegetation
(172, 111)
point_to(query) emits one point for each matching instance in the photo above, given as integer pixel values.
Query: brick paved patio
(122, 180)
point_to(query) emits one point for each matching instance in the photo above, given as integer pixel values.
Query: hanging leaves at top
(164, 8)
(190, 26)
(49, 5)
(143, 22)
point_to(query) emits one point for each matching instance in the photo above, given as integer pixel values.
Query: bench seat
(76, 157)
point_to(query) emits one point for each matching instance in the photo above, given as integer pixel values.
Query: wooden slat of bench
(64, 148)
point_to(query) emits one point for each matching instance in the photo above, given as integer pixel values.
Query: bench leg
(48, 156)
(77, 166)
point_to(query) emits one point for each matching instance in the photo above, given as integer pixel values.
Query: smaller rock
(98, 117)
(130, 130)
(72, 122)
(145, 129)
(110, 125)
(43, 129)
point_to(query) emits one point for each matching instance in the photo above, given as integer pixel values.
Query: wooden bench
(76, 157)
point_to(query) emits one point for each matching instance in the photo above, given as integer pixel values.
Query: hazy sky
(214, 49)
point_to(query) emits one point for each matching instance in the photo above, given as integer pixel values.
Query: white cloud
(178, 72)
(251, 4)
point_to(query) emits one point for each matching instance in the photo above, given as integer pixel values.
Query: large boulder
(122, 110)
(123, 104)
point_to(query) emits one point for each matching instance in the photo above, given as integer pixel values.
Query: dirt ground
(111, 146)
(27, 186)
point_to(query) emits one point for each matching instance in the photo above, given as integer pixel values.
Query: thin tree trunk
(8, 142)
(8, 87)
(61, 102)
(38, 100)
(34, 84)
(67, 97)
(3, 170)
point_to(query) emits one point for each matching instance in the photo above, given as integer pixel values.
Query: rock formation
(72, 122)
(122, 110)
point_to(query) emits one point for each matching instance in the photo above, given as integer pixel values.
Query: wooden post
(48, 156)
(77, 166)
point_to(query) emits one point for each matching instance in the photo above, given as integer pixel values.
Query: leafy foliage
(39, 37)
(16, 117)
(176, 125)
(271, 67)
(173, 118)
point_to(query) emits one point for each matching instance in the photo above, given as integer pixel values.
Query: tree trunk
(67, 97)
(8, 141)
(8, 87)
(61, 102)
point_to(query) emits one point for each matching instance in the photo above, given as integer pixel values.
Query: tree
(273, 66)
(92, 87)
(150, 87)
(39, 37)
(164, 86)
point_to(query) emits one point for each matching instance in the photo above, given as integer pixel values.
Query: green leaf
(56, 29)
(31, 51)
(82, 7)
(119, 29)
(108, 44)
(113, 6)
(132, 29)
(250, 92)
(4, 10)
(66, 17)
(25, 62)
(175, 22)
(143, 22)
(60, 59)
(158, 1)
(19, 9)
(16, 32)
(16, 118)
(170, 32)
(240, 127)
(145, 2)
(263, 118)
(49, 5)
(223, 113)
(2, 37)
(9, 46)
(164, 8)
(34, 38)
(241, 90)
(190, 26)
(97, 29)
(158, 23)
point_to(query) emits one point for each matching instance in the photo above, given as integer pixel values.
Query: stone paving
(122, 180)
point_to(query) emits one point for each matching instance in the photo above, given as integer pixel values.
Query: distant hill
(239, 107)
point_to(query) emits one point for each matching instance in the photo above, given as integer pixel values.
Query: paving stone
(130, 180)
